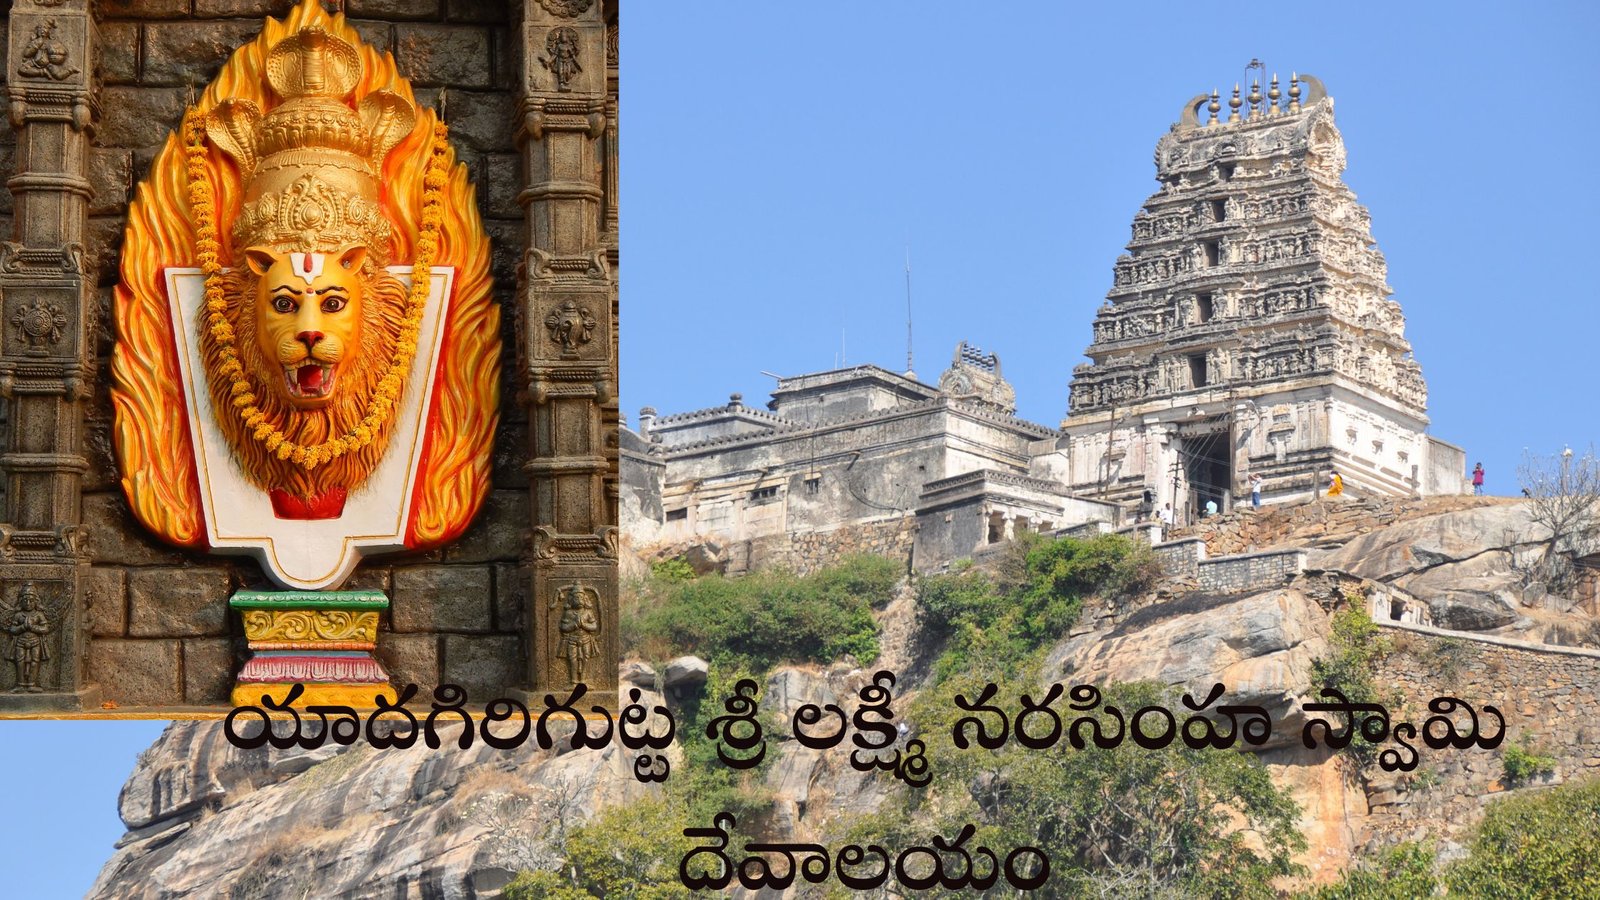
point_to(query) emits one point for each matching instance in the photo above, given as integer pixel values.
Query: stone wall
(1546, 694)
(162, 633)
(1250, 571)
(1181, 558)
(808, 551)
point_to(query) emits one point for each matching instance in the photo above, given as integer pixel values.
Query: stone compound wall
(1546, 693)
(1181, 558)
(806, 552)
(162, 633)
(1251, 571)
(1186, 559)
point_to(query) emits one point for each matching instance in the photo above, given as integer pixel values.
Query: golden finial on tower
(1234, 103)
(1255, 98)
(1213, 107)
(1294, 92)
(1273, 95)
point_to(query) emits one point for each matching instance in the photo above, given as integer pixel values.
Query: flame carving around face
(308, 315)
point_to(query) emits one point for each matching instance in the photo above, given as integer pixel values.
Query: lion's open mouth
(309, 381)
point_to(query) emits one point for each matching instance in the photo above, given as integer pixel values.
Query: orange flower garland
(203, 213)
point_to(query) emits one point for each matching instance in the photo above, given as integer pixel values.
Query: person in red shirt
(1477, 479)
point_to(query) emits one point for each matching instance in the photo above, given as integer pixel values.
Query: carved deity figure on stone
(561, 56)
(29, 627)
(307, 351)
(46, 57)
(579, 628)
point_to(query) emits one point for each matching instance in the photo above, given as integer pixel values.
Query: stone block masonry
(806, 552)
(1250, 571)
(1181, 558)
(1187, 559)
(1546, 693)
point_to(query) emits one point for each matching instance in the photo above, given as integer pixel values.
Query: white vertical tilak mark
(307, 265)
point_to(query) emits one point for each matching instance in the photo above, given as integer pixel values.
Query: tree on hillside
(1535, 846)
(1126, 822)
(1563, 492)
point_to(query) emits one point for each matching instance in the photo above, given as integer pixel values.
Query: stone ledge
(1510, 643)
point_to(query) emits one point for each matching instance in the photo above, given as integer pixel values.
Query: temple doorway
(1203, 453)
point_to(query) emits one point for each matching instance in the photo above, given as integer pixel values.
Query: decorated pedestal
(322, 640)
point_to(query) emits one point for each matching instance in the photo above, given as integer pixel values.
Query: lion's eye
(333, 304)
(284, 304)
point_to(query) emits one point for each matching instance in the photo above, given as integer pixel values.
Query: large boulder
(706, 558)
(1471, 610)
(1479, 593)
(685, 672)
(1260, 647)
(1417, 545)
(1464, 564)
(207, 819)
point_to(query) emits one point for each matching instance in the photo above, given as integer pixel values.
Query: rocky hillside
(208, 820)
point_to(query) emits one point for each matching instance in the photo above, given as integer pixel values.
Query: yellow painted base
(358, 696)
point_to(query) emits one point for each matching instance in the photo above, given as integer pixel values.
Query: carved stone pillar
(46, 360)
(567, 336)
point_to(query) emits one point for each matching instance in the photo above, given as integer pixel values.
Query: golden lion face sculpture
(307, 316)
(316, 332)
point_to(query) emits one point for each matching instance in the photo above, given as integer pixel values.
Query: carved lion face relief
(308, 312)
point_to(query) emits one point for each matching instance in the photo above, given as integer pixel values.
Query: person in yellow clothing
(1335, 483)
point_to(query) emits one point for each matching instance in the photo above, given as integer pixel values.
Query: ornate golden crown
(312, 165)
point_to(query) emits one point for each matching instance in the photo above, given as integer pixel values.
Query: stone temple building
(852, 459)
(1248, 331)
(1249, 328)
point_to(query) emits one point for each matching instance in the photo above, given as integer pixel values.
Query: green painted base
(309, 600)
(319, 639)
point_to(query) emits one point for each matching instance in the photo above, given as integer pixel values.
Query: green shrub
(1124, 822)
(1541, 845)
(759, 620)
(632, 850)
(672, 570)
(1356, 646)
(1405, 871)
(627, 851)
(1034, 596)
(1522, 762)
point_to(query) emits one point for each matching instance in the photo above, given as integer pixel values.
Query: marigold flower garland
(203, 211)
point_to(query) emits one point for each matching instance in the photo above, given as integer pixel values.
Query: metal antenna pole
(909, 367)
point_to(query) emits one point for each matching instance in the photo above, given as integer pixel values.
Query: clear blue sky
(58, 801)
(778, 157)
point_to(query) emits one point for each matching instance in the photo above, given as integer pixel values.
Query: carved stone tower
(1249, 330)
(568, 338)
(46, 361)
